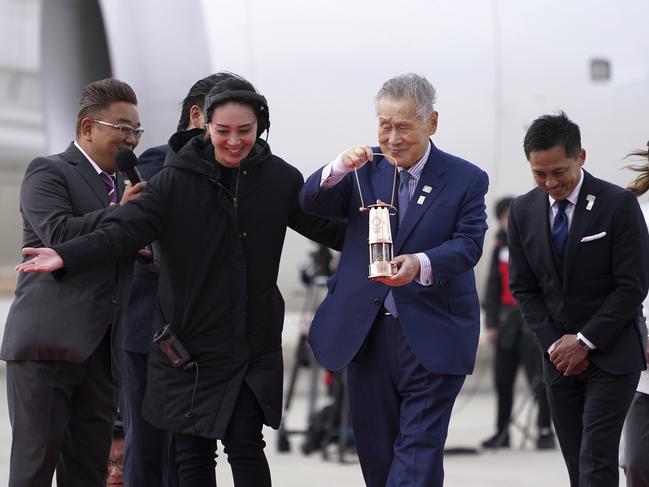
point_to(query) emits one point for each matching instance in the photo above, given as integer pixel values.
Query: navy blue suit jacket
(441, 322)
(137, 329)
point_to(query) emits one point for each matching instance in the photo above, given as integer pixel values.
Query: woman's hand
(45, 260)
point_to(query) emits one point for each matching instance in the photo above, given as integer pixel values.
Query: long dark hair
(239, 90)
(640, 185)
(197, 94)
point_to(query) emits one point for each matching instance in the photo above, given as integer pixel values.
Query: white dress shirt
(93, 163)
(570, 211)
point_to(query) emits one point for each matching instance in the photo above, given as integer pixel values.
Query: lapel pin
(427, 189)
(591, 201)
(421, 200)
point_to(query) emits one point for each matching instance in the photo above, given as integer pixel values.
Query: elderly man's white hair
(410, 85)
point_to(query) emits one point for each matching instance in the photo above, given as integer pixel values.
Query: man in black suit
(149, 453)
(60, 339)
(579, 270)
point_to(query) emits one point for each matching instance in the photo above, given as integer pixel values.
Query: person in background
(408, 340)
(636, 428)
(219, 211)
(114, 476)
(514, 344)
(579, 270)
(149, 453)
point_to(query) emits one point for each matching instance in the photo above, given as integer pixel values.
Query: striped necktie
(109, 182)
(403, 193)
(404, 199)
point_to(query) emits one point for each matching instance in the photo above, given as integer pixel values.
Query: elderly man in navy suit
(579, 269)
(408, 340)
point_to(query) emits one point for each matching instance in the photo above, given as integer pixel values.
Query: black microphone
(126, 161)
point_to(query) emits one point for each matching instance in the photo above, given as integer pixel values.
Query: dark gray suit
(597, 289)
(60, 336)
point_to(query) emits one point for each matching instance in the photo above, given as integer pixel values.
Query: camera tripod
(316, 289)
(522, 417)
(330, 423)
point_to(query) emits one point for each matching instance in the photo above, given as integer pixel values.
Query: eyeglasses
(125, 130)
(115, 464)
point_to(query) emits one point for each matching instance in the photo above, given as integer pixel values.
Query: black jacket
(492, 301)
(598, 288)
(219, 254)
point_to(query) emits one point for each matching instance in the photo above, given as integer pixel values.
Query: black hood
(189, 151)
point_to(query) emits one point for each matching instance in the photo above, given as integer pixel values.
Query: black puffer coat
(219, 251)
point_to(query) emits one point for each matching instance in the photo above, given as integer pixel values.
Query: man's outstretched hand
(45, 260)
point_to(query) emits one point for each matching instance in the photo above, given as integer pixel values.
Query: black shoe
(545, 441)
(499, 440)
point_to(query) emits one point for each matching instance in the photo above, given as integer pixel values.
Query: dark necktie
(110, 187)
(560, 228)
(404, 199)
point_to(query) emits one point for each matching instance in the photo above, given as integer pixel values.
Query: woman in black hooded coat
(218, 210)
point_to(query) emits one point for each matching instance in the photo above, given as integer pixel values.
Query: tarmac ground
(465, 466)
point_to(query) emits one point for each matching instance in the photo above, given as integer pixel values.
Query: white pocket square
(590, 238)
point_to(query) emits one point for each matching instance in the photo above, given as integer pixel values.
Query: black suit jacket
(599, 286)
(61, 197)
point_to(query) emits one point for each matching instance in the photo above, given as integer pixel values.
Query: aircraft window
(600, 69)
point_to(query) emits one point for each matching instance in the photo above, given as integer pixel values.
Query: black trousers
(507, 362)
(149, 455)
(244, 444)
(61, 417)
(588, 412)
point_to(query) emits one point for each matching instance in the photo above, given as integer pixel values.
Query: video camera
(318, 267)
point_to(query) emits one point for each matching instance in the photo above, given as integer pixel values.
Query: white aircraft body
(496, 65)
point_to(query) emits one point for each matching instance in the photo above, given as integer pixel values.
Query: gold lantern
(380, 233)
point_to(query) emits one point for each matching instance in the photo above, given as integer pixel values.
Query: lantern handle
(394, 180)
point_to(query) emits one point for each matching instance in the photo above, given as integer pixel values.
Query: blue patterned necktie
(403, 194)
(560, 228)
(404, 200)
(110, 187)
